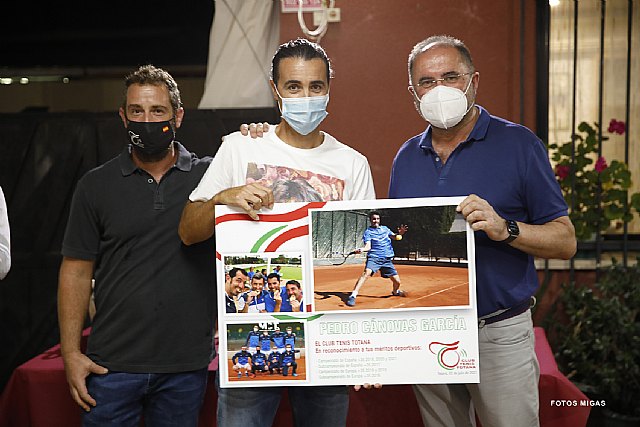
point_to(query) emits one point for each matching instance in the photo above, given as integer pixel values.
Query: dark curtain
(42, 155)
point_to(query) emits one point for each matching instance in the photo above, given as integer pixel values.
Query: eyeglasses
(447, 80)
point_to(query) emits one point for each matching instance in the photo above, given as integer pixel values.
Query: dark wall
(43, 156)
(105, 34)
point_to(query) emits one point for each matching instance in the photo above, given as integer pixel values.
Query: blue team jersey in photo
(253, 339)
(241, 357)
(274, 358)
(380, 241)
(258, 302)
(290, 339)
(259, 359)
(278, 339)
(265, 342)
(270, 302)
(287, 357)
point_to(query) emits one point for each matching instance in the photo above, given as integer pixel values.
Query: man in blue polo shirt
(278, 339)
(253, 339)
(377, 245)
(517, 211)
(255, 298)
(273, 362)
(288, 361)
(294, 296)
(290, 338)
(241, 362)
(258, 362)
(275, 300)
(265, 341)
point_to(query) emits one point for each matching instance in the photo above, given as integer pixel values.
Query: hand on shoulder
(254, 130)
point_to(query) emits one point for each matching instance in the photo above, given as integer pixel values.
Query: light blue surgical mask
(304, 114)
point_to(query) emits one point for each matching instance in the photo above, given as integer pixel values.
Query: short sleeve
(218, 176)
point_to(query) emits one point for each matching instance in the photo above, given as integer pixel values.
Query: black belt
(506, 313)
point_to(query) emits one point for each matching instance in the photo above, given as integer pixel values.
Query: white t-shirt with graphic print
(331, 171)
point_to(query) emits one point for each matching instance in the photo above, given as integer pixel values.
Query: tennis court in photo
(431, 258)
(427, 286)
(265, 376)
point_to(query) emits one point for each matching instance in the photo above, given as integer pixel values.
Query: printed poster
(285, 281)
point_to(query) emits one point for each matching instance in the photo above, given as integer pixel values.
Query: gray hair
(440, 40)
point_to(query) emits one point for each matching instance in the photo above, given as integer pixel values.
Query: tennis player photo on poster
(389, 258)
(366, 287)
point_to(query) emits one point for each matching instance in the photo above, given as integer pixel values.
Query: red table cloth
(37, 395)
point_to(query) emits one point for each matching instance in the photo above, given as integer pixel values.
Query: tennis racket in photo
(345, 256)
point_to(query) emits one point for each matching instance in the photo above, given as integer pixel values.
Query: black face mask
(151, 139)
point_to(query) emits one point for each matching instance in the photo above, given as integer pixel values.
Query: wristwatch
(513, 230)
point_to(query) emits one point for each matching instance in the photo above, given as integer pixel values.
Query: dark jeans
(316, 406)
(285, 368)
(163, 399)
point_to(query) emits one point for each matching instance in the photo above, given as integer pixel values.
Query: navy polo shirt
(155, 297)
(505, 164)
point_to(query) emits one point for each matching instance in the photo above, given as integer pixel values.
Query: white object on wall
(244, 36)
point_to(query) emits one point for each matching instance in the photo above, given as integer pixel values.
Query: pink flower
(616, 126)
(562, 171)
(601, 164)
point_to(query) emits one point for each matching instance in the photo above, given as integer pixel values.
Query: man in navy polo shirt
(258, 362)
(288, 361)
(517, 211)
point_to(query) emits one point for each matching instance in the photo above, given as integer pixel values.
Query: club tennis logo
(452, 358)
(447, 354)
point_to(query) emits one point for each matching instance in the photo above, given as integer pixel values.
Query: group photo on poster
(265, 351)
(263, 283)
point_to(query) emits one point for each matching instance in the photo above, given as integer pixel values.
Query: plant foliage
(599, 342)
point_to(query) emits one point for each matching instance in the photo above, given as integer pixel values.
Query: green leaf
(635, 201)
(612, 212)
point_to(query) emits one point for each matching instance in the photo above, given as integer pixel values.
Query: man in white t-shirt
(294, 161)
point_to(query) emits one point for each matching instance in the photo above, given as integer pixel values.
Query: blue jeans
(317, 406)
(163, 399)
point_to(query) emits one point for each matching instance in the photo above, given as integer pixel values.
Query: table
(37, 396)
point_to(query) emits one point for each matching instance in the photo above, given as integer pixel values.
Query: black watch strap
(513, 230)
